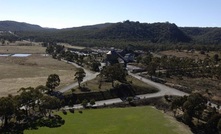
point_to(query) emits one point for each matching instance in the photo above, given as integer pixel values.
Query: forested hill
(127, 32)
(135, 31)
(19, 26)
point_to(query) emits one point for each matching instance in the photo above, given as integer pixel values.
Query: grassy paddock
(32, 71)
(136, 120)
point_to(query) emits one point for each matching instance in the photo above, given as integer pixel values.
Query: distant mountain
(135, 31)
(19, 26)
(127, 32)
(208, 35)
(90, 27)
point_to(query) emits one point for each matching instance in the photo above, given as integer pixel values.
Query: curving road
(89, 76)
(163, 90)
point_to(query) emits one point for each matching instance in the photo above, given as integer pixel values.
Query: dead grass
(31, 71)
(193, 55)
(70, 46)
(207, 86)
(22, 47)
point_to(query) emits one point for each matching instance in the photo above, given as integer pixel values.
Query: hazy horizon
(66, 14)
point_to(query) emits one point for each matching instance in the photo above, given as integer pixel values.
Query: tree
(216, 58)
(95, 66)
(177, 103)
(194, 105)
(79, 76)
(7, 109)
(29, 98)
(212, 124)
(48, 103)
(3, 41)
(84, 103)
(151, 68)
(50, 49)
(52, 82)
(114, 72)
(219, 126)
(92, 102)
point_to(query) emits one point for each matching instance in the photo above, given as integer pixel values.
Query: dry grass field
(17, 72)
(193, 55)
(209, 87)
(70, 46)
(22, 47)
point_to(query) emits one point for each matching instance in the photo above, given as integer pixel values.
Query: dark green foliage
(219, 125)
(114, 72)
(156, 36)
(92, 101)
(7, 109)
(79, 76)
(213, 123)
(52, 82)
(84, 103)
(95, 66)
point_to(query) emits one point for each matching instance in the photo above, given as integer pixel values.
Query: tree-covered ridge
(18, 26)
(117, 34)
(135, 31)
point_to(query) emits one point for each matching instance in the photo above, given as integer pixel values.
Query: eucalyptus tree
(52, 82)
(79, 76)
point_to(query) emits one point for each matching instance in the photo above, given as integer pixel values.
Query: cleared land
(193, 54)
(31, 71)
(209, 87)
(70, 46)
(136, 120)
(22, 47)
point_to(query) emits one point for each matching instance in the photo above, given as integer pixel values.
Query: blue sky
(72, 13)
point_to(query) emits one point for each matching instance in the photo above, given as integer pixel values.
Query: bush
(71, 110)
(84, 103)
(64, 112)
(92, 102)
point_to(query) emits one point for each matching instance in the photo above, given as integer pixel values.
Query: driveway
(163, 90)
(89, 76)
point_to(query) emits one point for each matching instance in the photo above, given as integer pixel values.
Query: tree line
(195, 111)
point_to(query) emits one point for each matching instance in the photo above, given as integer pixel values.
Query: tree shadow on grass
(32, 123)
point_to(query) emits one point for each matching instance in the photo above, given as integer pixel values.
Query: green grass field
(136, 120)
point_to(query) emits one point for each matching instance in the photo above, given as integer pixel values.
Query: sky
(74, 13)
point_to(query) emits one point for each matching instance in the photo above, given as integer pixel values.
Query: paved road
(163, 90)
(89, 76)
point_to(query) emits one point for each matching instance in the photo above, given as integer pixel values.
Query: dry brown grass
(22, 47)
(70, 46)
(31, 71)
(207, 86)
(193, 55)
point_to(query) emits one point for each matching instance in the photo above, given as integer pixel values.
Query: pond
(21, 55)
(4, 55)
